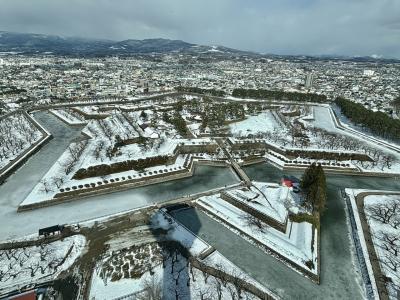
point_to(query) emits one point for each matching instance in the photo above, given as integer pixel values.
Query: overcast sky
(347, 27)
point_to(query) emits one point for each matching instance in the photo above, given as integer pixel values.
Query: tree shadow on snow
(175, 241)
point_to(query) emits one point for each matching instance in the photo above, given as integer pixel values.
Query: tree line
(211, 92)
(11, 90)
(377, 122)
(216, 114)
(137, 165)
(279, 95)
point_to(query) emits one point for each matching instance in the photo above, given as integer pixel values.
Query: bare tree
(204, 294)
(232, 292)
(391, 261)
(45, 186)
(389, 242)
(384, 212)
(57, 181)
(253, 221)
(152, 289)
(218, 288)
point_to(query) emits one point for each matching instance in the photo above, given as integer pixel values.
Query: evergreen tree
(376, 122)
(313, 184)
(179, 106)
(143, 115)
(166, 117)
(278, 95)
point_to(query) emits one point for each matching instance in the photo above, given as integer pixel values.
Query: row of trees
(25, 262)
(138, 165)
(301, 137)
(386, 237)
(181, 272)
(377, 122)
(11, 90)
(313, 184)
(278, 95)
(211, 92)
(75, 151)
(216, 114)
(183, 276)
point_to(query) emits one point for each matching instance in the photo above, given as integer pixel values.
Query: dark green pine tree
(313, 184)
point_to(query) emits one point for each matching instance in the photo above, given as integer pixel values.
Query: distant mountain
(40, 43)
(27, 43)
(151, 45)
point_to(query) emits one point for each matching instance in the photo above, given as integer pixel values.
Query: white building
(369, 73)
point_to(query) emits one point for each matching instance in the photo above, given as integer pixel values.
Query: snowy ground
(324, 120)
(147, 135)
(316, 131)
(17, 134)
(383, 213)
(20, 184)
(164, 281)
(100, 149)
(68, 116)
(269, 199)
(262, 122)
(295, 244)
(23, 266)
(40, 194)
(136, 270)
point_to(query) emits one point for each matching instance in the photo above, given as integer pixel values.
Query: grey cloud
(350, 27)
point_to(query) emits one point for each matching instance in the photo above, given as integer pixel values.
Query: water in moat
(339, 277)
(19, 185)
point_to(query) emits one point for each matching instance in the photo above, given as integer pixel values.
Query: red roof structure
(31, 295)
(287, 182)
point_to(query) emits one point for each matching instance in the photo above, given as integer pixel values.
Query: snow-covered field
(269, 199)
(123, 136)
(17, 134)
(387, 160)
(23, 266)
(118, 138)
(68, 116)
(263, 122)
(298, 243)
(166, 282)
(316, 131)
(155, 269)
(383, 214)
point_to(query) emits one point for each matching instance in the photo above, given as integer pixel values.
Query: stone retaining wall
(245, 285)
(256, 213)
(118, 186)
(252, 161)
(305, 272)
(65, 121)
(358, 248)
